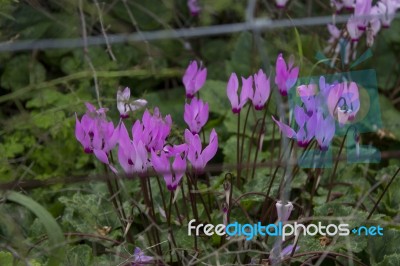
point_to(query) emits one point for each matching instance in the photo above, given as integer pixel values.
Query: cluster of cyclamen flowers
(148, 147)
(315, 118)
(366, 17)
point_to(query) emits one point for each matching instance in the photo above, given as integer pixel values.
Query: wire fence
(258, 24)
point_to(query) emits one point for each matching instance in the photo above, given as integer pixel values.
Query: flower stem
(238, 166)
(259, 139)
(334, 169)
(244, 133)
(383, 193)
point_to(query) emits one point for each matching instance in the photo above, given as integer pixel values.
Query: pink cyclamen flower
(325, 131)
(362, 8)
(196, 156)
(245, 94)
(262, 90)
(306, 126)
(193, 79)
(96, 134)
(132, 155)
(275, 257)
(172, 173)
(283, 211)
(387, 9)
(140, 259)
(123, 104)
(344, 101)
(281, 3)
(153, 130)
(196, 115)
(286, 75)
(353, 30)
(194, 7)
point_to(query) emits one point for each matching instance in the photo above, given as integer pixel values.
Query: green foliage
(88, 213)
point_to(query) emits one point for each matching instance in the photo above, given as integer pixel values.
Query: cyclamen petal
(325, 131)
(362, 8)
(194, 7)
(194, 79)
(247, 91)
(353, 30)
(283, 211)
(231, 90)
(262, 90)
(211, 149)
(139, 258)
(281, 3)
(286, 130)
(102, 156)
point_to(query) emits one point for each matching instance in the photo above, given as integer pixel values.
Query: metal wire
(250, 25)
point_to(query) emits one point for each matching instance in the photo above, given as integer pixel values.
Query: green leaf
(299, 45)
(387, 244)
(79, 255)
(6, 258)
(390, 116)
(55, 235)
(242, 55)
(214, 92)
(85, 213)
(390, 260)
(21, 71)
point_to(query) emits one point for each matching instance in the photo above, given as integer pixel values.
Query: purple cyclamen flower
(281, 3)
(344, 102)
(172, 173)
(387, 9)
(275, 257)
(196, 115)
(352, 28)
(194, 7)
(306, 127)
(96, 134)
(153, 130)
(193, 79)
(196, 156)
(132, 155)
(140, 259)
(362, 8)
(286, 75)
(283, 211)
(245, 94)
(262, 90)
(324, 131)
(123, 104)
